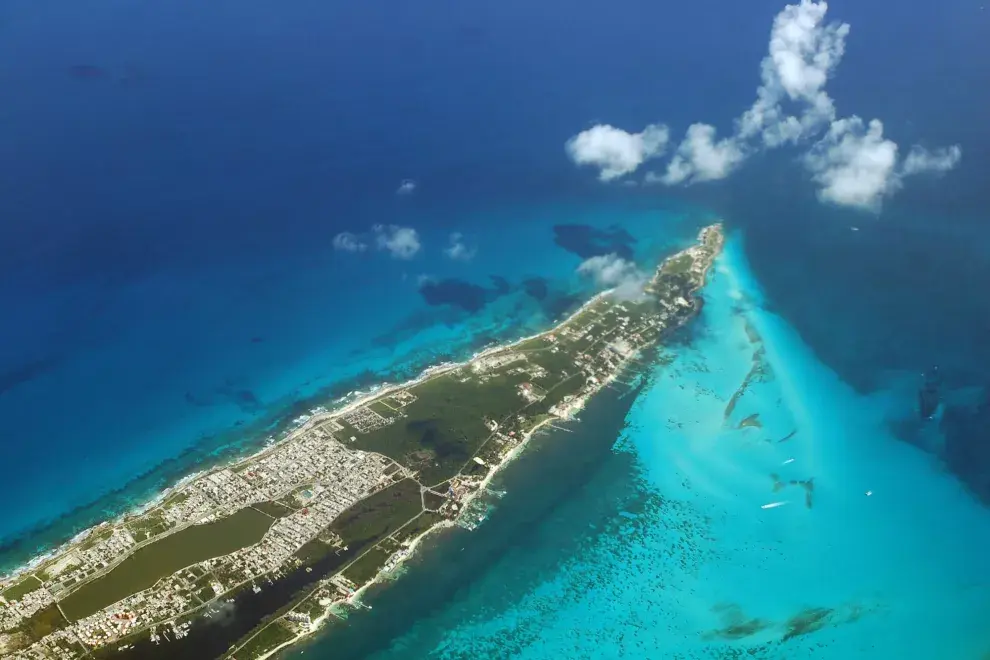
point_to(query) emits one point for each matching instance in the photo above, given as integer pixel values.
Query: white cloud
(802, 54)
(614, 151)
(401, 242)
(853, 165)
(407, 187)
(348, 242)
(458, 250)
(919, 160)
(859, 167)
(700, 158)
(623, 277)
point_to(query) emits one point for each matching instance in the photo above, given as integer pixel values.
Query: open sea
(172, 179)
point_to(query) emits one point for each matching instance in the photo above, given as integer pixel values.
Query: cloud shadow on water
(586, 241)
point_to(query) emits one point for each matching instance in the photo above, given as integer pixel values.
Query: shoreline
(321, 413)
(414, 546)
(316, 415)
(575, 406)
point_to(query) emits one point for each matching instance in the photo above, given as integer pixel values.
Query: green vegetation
(377, 516)
(43, 622)
(266, 639)
(311, 606)
(367, 567)
(383, 409)
(436, 432)
(178, 498)
(418, 525)
(97, 536)
(678, 265)
(149, 526)
(145, 567)
(433, 501)
(314, 551)
(444, 426)
(22, 588)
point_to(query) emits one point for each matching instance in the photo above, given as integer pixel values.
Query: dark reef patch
(967, 445)
(736, 625)
(807, 622)
(462, 294)
(240, 396)
(586, 241)
(456, 293)
(536, 287)
(500, 284)
(26, 372)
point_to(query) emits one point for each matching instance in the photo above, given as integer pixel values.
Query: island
(340, 501)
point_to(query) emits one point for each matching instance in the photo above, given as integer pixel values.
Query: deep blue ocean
(173, 176)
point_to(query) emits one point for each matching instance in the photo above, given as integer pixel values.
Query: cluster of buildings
(607, 346)
(365, 474)
(60, 645)
(493, 362)
(315, 477)
(366, 420)
(13, 611)
(104, 548)
(315, 471)
(332, 476)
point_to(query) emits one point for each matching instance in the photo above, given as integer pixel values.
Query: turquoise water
(658, 545)
(214, 358)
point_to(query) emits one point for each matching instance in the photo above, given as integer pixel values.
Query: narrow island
(305, 525)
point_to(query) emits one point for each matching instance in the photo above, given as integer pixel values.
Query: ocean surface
(811, 533)
(172, 179)
(230, 367)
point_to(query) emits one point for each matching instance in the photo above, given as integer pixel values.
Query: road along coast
(343, 499)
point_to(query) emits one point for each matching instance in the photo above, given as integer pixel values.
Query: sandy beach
(573, 408)
(355, 400)
(414, 545)
(315, 417)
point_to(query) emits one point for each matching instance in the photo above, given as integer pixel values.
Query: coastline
(414, 545)
(573, 408)
(315, 416)
(684, 278)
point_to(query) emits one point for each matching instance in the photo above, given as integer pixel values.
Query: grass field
(375, 517)
(145, 567)
(443, 428)
(367, 566)
(265, 640)
(44, 622)
(22, 588)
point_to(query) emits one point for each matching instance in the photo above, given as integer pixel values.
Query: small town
(311, 496)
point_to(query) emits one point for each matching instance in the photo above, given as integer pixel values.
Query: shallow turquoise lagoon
(754, 506)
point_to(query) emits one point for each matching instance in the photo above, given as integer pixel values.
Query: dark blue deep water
(173, 175)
